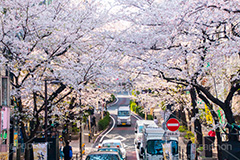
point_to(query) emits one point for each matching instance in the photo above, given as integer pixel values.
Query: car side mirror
(135, 131)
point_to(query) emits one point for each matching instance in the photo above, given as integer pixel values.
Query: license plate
(123, 123)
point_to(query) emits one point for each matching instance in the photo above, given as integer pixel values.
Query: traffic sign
(172, 134)
(173, 124)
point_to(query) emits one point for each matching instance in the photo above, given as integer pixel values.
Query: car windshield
(123, 113)
(113, 144)
(154, 147)
(111, 150)
(140, 128)
(102, 157)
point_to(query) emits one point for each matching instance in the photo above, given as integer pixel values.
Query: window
(115, 144)
(102, 157)
(154, 147)
(174, 147)
(123, 113)
(140, 129)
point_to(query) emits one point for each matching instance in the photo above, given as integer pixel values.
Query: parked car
(106, 155)
(115, 143)
(112, 149)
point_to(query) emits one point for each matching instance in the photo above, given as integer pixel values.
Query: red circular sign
(173, 124)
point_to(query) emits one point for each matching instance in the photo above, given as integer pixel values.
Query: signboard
(172, 134)
(208, 115)
(221, 116)
(40, 151)
(173, 124)
(193, 151)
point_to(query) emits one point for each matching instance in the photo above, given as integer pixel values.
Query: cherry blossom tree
(49, 40)
(184, 42)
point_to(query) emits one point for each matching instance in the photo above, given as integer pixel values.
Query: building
(4, 114)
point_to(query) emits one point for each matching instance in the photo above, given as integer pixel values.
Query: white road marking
(120, 138)
(135, 116)
(109, 129)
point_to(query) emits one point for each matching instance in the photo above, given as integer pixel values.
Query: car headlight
(129, 119)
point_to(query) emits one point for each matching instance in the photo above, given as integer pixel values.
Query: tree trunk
(215, 117)
(182, 117)
(197, 124)
(27, 151)
(230, 119)
(219, 143)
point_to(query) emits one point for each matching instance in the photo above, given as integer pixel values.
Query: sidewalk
(85, 140)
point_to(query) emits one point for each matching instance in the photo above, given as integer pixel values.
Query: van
(138, 128)
(124, 115)
(152, 144)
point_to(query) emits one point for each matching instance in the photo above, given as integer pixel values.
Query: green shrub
(182, 128)
(189, 135)
(150, 117)
(200, 149)
(113, 97)
(103, 123)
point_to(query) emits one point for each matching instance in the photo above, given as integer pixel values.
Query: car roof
(142, 122)
(103, 152)
(111, 141)
(123, 108)
(106, 147)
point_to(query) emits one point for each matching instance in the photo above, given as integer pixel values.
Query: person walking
(189, 150)
(61, 151)
(155, 120)
(67, 150)
(94, 121)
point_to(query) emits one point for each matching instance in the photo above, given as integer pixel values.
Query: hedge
(103, 123)
(150, 117)
(137, 109)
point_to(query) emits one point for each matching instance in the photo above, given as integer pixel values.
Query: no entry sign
(173, 124)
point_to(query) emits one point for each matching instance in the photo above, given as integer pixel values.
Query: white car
(115, 143)
(124, 116)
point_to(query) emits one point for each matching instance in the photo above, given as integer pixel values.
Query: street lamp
(45, 102)
(80, 135)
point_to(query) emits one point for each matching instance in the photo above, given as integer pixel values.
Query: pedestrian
(89, 137)
(87, 124)
(61, 151)
(189, 150)
(67, 151)
(155, 120)
(94, 121)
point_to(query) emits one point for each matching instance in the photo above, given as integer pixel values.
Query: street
(123, 133)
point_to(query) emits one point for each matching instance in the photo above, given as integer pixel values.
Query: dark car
(103, 155)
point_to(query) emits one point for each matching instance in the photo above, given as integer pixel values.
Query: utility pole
(80, 138)
(46, 115)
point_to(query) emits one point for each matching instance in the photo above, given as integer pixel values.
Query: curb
(102, 132)
(137, 116)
